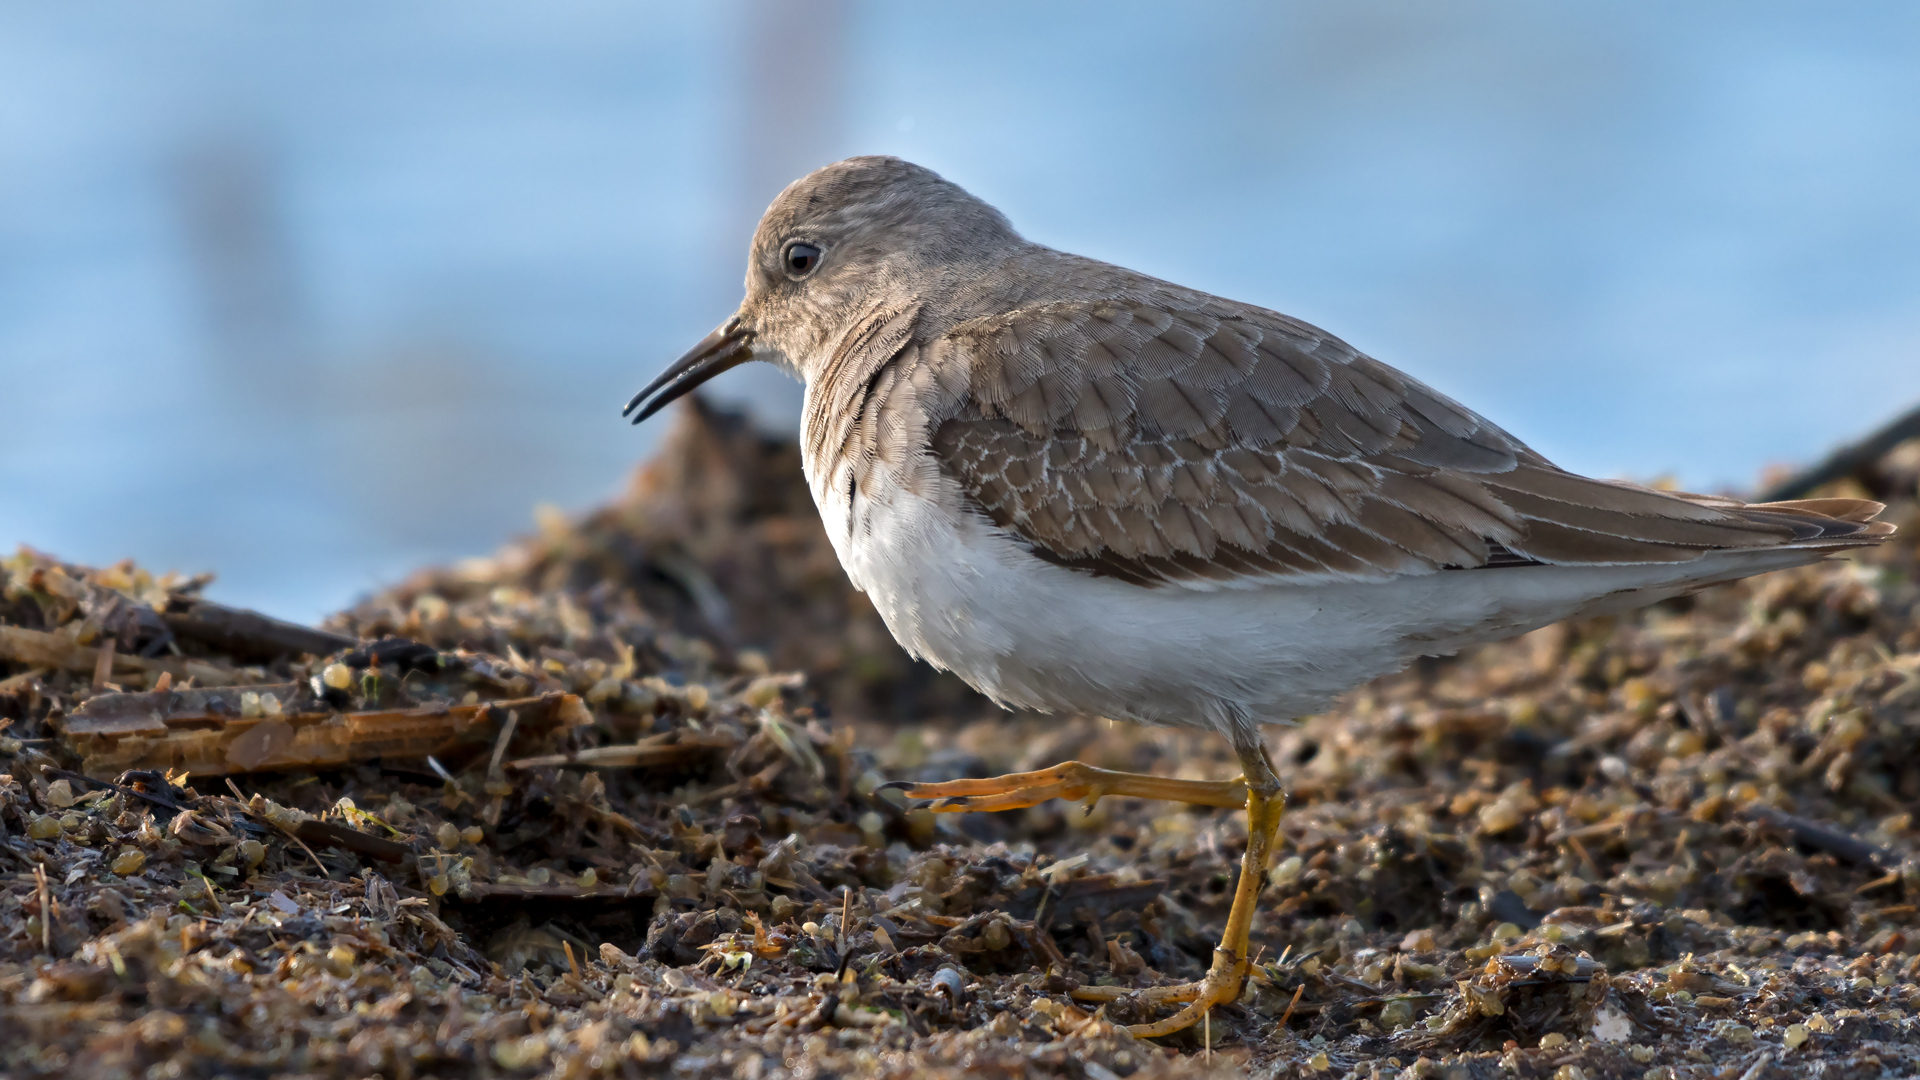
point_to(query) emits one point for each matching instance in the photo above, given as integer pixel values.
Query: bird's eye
(801, 259)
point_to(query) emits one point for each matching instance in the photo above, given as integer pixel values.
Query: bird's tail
(1813, 523)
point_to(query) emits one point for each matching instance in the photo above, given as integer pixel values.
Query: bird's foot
(1077, 780)
(1229, 970)
(1069, 780)
(1220, 987)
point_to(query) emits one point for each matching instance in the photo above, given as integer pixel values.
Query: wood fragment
(1825, 838)
(43, 649)
(1100, 892)
(249, 635)
(1292, 1004)
(1040, 942)
(757, 783)
(103, 665)
(667, 749)
(1848, 460)
(555, 891)
(46, 908)
(201, 732)
(331, 834)
(500, 743)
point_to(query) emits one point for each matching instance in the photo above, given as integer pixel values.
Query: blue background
(309, 294)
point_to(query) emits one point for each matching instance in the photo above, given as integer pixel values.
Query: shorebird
(1083, 489)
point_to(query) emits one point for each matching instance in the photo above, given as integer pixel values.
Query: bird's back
(1120, 496)
(1125, 427)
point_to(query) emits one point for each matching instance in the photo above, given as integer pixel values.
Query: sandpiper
(1084, 489)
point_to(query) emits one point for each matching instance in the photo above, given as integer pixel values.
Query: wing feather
(1214, 445)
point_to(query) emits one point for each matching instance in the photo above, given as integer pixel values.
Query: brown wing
(1154, 444)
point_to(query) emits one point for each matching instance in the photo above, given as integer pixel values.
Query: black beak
(724, 349)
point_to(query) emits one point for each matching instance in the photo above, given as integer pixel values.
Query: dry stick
(206, 883)
(1580, 849)
(1847, 460)
(658, 750)
(1288, 1015)
(249, 633)
(103, 664)
(324, 872)
(14, 682)
(303, 844)
(46, 908)
(494, 771)
(1877, 883)
(500, 743)
(42, 648)
(1037, 937)
(846, 913)
(1825, 838)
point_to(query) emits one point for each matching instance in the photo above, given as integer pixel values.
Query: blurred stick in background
(1850, 460)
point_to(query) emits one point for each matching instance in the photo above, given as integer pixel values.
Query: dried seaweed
(635, 827)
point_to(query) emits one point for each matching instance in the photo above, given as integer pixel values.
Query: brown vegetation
(605, 804)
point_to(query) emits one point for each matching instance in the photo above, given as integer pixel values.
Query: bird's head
(862, 234)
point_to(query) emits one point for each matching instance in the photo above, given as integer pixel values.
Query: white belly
(964, 596)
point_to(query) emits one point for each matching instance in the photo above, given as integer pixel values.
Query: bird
(1087, 490)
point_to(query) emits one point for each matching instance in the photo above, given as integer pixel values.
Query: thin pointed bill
(724, 349)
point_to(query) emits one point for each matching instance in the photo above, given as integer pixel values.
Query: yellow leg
(1070, 780)
(1258, 790)
(1229, 971)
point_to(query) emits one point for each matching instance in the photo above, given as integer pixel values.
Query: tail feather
(1860, 510)
(1565, 532)
(1835, 523)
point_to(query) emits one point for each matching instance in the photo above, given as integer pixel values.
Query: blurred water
(311, 294)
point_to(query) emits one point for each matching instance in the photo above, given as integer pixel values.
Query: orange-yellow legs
(1258, 789)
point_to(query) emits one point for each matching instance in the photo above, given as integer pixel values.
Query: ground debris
(610, 804)
(278, 727)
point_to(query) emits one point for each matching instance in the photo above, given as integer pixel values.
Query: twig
(195, 730)
(1580, 849)
(500, 744)
(1039, 940)
(846, 915)
(482, 890)
(213, 898)
(42, 649)
(1847, 460)
(249, 634)
(1288, 1015)
(659, 750)
(1832, 841)
(374, 847)
(46, 908)
(494, 773)
(103, 664)
(1356, 984)
(244, 805)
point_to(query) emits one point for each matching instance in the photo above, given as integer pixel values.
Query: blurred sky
(310, 294)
